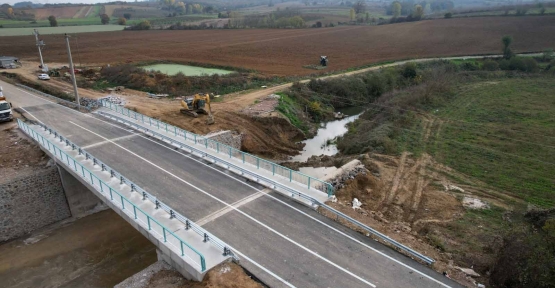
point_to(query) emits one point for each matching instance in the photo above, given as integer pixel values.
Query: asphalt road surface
(283, 243)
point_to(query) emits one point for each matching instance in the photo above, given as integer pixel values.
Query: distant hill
(27, 4)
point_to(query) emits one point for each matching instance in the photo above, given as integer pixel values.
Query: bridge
(202, 205)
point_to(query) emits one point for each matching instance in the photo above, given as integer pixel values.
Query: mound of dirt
(226, 275)
(18, 154)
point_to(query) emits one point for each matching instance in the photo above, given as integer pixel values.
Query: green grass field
(503, 133)
(60, 30)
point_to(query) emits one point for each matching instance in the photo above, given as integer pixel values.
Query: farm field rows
(286, 51)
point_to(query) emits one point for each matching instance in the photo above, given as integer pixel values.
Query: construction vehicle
(192, 106)
(5, 108)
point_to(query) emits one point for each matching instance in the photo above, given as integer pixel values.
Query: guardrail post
(206, 238)
(218, 147)
(206, 143)
(175, 130)
(112, 173)
(121, 181)
(111, 197)
(79, 151)
(157, 204)
(182, 254)
(132, 187)
(87, 156)
(308, 183)
(226, 251)
(144, 195)
(102, 167)
(243, 153)
(67, 142)
(172, 214)
(122, 204)
(257, 163)
(72, 146)
(187, 225)
(229, 152)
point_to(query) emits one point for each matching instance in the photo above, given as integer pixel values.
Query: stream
(328, 131)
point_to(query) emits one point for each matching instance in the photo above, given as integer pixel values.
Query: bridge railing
(226, 151)
(121, 201)
(335, 214)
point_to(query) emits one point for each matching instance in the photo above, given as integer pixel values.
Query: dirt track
(285, 51)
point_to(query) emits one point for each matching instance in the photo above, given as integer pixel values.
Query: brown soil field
(285, 51)
(59, 12)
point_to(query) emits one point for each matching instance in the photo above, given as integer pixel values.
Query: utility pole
(40, 44)
(72, 73)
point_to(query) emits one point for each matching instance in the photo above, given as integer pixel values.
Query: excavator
(195, 105)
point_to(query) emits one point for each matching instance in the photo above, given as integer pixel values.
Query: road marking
(260, 266)
(241, 212)
(288, 205)
(111, 140)
(235, 250)
(237, 204)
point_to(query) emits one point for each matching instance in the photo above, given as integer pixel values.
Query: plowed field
(285, 52)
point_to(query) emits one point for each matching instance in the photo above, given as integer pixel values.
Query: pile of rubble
(339, 181)
(114, 99)
(89, 103)
(263, 106)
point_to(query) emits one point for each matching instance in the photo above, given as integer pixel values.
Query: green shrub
(469, 66)
(531, 64)
(490, 65)
(504, 64)
(409, 71)
(517, 63)
(448, 15)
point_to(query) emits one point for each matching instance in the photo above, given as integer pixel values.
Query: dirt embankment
(18, 155)
(412, 200)
(226, 275)
(271, 136)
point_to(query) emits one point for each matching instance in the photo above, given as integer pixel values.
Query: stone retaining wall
(31, 201)
(227, 137)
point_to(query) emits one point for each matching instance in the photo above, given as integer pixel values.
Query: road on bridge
(283, 243)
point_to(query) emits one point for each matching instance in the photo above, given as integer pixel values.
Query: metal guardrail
(225, 150)
(101, 185)
(57, 99)
(293, 192)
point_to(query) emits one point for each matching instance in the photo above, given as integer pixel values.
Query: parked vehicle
(44, 77)
(5, 109)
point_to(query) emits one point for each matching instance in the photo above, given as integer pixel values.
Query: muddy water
(328, 131)
(99, 250)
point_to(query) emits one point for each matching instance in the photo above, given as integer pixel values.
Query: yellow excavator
(197, 104)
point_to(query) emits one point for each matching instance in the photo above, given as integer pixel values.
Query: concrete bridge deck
(282, 242)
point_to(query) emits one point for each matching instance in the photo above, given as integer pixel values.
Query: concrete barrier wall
(31, 201)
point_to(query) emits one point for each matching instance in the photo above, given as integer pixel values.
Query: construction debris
(474, 203)
(468, 271)
(114, 99)
(89, 103)
(263, 106)
(356, 204)
(157, 96)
